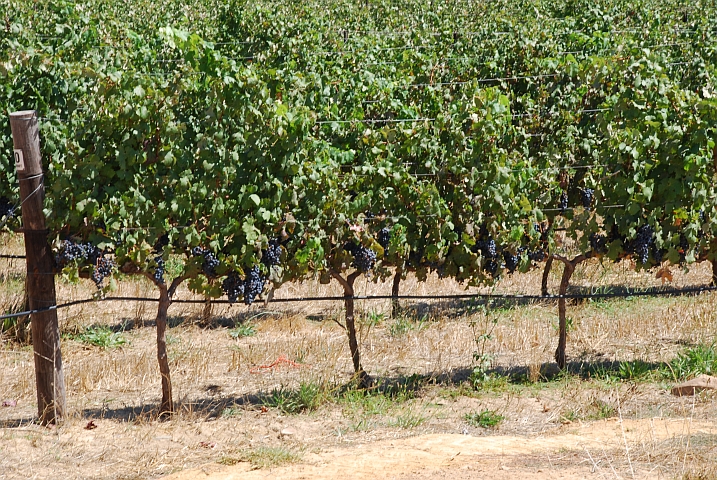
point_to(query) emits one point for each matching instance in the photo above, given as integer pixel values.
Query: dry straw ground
(430, 417)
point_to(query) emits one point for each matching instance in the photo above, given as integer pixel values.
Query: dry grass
(220, 392)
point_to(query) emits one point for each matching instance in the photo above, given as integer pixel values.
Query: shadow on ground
(214, 404)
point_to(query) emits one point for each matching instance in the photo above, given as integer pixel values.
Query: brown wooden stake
(40, 284)
(348, 284)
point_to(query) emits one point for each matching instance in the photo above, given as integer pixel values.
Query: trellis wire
(465, 296)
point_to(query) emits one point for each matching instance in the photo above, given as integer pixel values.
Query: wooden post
(49, 377)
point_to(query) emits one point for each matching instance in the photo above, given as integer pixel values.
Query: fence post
(49, 377)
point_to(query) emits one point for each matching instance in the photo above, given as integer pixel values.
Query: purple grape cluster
(384, 237)
(563, 202)
(598, 243)
(537, 255)
(249, 287)
(364, 258)
(587, 195)
(210, 263)
(7, 209)
(72, 252)
(643, 242)
(85, 254)
(233, 286)
(159, 270)
(103, 269)
(253, 285)
(487, 248)
(272, 255)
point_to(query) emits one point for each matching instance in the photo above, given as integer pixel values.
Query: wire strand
(466, 296)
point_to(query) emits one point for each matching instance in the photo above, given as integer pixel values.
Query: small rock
(288, 432)
(696, 385)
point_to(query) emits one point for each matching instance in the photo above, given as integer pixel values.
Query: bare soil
(586, 450)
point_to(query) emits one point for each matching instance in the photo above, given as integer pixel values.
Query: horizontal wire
(466, 296)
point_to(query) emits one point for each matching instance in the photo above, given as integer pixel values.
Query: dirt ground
(265, 392)
(571, 451)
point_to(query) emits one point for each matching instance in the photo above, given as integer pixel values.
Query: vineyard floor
(425, 419)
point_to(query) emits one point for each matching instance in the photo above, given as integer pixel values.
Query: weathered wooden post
(49, 377)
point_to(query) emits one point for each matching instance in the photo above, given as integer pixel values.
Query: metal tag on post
(19, 161)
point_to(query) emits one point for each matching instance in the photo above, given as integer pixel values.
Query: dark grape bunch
(159, 270)
(492, 267)
(563, 202)
(85, 253)
(368, 217)
(643, 242)
(384, 237)
(683, 247)
(71, 252)
(587, 196)
(103, 269)
(7, 209)
(537, 255)
(233, 286)
(364, 258)
(253, 285)
(487, 248)
(511, 261)
(210, 263)
(598, 243)
(272, 255)
(162, 242)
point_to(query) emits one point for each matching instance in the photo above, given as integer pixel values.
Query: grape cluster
(643, 242)
(7, 209)
(272, 255)
(85, 253)
(233, 286)
(162, 242)
(103, 269)
(537, 255)
(210, 263)
(368, 217)
(159, 270)
(384, 237)
(598, 243)
(487, 248)
(511, 261)
(563, 202)
(587, 196)
(71, 252)
(253, 285)
(683, 247)
(492, 267)
(364, 258)
(657, 254)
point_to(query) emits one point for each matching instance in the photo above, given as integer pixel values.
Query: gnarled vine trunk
(166, 407)
(546, 273)
(560, 355)
(348, 283)
(395, 304)
(165, 300)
